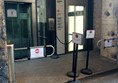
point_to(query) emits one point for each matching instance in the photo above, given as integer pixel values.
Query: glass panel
(75, 23)
(71, 24)
(79, 8)
(23, 16)
(70, 31)
(11, 23)
(41, 21)
(25, 24)
(71, 8)
(79, 24)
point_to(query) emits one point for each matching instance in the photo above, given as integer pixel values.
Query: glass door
(18, 26)
(75, 23)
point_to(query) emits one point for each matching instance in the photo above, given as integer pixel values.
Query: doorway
(75, 23)
(18, 27)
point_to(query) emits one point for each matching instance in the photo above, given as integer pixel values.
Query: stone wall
(109, 26)
(106, 26)
(3, 54)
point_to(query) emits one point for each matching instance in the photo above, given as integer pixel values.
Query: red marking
(36, 50)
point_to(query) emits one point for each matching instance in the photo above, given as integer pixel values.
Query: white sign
(108, 43)
(11, 13)
(76, 38)
(36, 52)
(90, 34)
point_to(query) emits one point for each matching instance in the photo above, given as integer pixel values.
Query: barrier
(76, 39)
(38, 51)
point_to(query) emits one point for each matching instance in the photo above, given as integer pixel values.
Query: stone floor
(47, 70)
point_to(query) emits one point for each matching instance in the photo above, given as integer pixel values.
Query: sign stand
(74, 65)
(71, 73)
(76, 39)
(86, 70)
(89, 35)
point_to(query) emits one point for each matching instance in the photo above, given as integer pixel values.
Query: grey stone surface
(107, 77)
(109, 27)
(47, 70)
(105, 25)
(3, 53)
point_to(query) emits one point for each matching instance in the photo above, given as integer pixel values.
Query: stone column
(109, 26)
(3, 54)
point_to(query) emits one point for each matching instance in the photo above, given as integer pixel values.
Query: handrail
(99, 41)
(24, 48)
(52, 48)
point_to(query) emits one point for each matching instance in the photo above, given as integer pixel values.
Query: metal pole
(71, 73)
(75, 62)
(74, 65)
(86, 70)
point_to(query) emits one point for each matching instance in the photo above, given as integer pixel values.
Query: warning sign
(36, 52)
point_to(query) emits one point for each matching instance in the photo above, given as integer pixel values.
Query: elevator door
(75, 23)
(18, 26)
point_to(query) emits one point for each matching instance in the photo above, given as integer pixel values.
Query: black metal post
(74, 65)
(71, 73)
(86, 70)
(28, 48)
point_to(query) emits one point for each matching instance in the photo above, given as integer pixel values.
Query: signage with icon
(108, 43)
(90, 34)
(36, 52)
(11, 13)
(76, 38)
